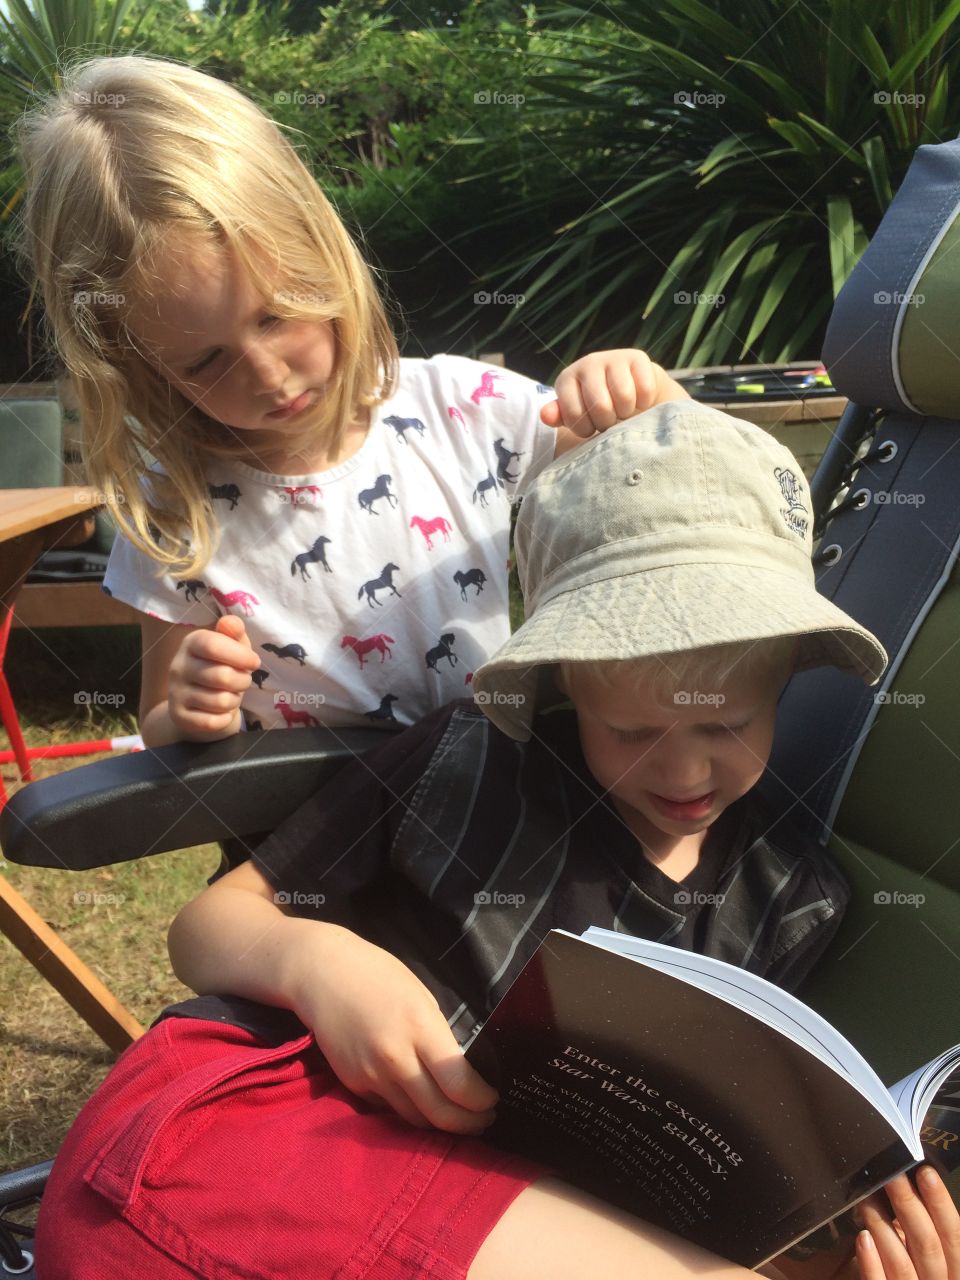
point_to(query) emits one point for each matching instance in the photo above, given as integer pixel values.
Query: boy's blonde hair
(690, 671)
(135, 158)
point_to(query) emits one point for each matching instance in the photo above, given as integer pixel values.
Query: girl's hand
(208, 677)
(384, 1036)
(927, 1244)
(602, 389)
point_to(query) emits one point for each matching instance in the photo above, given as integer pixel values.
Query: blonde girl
(314, 529)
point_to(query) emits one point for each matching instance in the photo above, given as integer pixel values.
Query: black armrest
(173, 797)
(23, 1184)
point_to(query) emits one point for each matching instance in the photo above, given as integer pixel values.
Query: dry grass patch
(50, 1060)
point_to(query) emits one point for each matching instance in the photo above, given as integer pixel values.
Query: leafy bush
(749, 151)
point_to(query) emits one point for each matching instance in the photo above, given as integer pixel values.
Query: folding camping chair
(870, 770)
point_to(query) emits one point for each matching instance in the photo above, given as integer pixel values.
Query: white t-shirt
(374, 590)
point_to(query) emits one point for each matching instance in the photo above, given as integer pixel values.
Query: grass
(50, 1060)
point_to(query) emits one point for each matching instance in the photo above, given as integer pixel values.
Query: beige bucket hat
(679, 529)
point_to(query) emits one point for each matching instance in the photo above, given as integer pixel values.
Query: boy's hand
(384, 1036)
(922, 1244)
(602, 389)
(208, 677)
(927, 1244)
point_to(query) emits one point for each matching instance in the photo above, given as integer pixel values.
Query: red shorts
(207, 1154)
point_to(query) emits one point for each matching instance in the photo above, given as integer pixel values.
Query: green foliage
(32, 39)
(689, 176)
(745, 156)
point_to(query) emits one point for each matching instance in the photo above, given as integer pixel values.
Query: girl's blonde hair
(135, 158)
(667, 677)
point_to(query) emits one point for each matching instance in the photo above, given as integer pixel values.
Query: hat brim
(669, 610)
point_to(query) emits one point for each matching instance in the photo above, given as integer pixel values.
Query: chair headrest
(892, 340)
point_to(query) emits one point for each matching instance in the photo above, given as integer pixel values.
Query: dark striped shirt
(457, 849)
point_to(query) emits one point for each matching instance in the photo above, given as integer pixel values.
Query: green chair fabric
(31, 444)
(891, 980)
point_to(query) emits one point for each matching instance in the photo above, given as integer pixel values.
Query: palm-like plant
(34, 39)
(738, 158)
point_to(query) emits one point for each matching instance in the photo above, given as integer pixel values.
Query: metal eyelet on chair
(831, 554)
(861, 499)
(18, 1271)
(887, 451)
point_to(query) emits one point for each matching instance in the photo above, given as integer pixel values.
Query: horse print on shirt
(296, 651)
(381, 489)
(385, 709)
(380, 643)
(484, 487)
(472, 578)
(316, 554)
(228, 492)
(190, 587)
(228, 599)
(439, 524)
(380, 584)
(442, 650)
(402, 425)
(487, 388)
(504, 458)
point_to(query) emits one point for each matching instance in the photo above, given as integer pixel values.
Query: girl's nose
(269, 371)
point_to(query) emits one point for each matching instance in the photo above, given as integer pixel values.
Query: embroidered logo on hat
(790, 488)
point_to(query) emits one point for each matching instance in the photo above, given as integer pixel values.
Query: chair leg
(8, 713)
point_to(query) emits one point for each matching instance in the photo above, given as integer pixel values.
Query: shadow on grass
(57, 1048)
(75, 682)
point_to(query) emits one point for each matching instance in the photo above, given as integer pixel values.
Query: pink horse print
(487, 388)
(243, 598)
(454, 412)
(380, 642)
(439, 524)
(293, 717)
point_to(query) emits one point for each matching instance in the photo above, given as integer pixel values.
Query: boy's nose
(683, 777)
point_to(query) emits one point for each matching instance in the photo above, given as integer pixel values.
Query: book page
(679, 1107)
(778, 1008)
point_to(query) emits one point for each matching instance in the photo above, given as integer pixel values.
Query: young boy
(669, 594)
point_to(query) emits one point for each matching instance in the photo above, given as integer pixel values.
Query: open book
(699, 1096)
